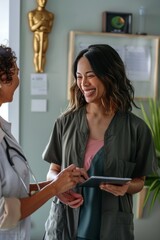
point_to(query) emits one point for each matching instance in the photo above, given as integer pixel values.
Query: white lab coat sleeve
(10, 212)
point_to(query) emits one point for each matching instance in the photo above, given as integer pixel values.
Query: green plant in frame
(152, 118)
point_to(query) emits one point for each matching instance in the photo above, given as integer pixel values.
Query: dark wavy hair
(7, 63)
(108, 66)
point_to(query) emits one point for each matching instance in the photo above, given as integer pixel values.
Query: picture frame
(117, 22)
(140, 54)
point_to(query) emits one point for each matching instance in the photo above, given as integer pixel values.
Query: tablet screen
(95, 181)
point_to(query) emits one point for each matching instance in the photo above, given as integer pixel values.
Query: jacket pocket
(117, 226)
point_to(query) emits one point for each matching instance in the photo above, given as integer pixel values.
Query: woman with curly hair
(101, 135)
(18, 198)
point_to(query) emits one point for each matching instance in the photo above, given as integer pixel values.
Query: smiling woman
(18, 198)
(99, 114)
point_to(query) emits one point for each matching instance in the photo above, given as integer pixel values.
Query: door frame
(14, 43)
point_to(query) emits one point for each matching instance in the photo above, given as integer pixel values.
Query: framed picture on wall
(139, 53)
(117, 22)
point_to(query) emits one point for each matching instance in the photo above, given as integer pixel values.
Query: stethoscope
(8, 148)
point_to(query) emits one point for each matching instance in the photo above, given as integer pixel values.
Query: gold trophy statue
(40, 22)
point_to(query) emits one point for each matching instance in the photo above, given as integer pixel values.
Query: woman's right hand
(67, 179)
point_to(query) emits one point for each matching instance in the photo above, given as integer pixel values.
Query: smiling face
(89, 84)
(7, 89)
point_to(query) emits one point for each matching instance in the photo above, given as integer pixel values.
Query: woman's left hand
(117, 190)
(71, 199)
(78, 200)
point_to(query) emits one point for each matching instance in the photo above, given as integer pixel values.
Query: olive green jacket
(129, 152)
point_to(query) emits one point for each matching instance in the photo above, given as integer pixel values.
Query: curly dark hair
(7, 63)
(109, 68)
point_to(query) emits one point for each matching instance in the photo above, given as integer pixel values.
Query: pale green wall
(35, 128)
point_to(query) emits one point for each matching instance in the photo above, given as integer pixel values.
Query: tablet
(95, 181)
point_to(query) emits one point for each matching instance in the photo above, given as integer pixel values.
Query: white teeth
(89, 92)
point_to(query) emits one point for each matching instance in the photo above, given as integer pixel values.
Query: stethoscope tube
(8, 147)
